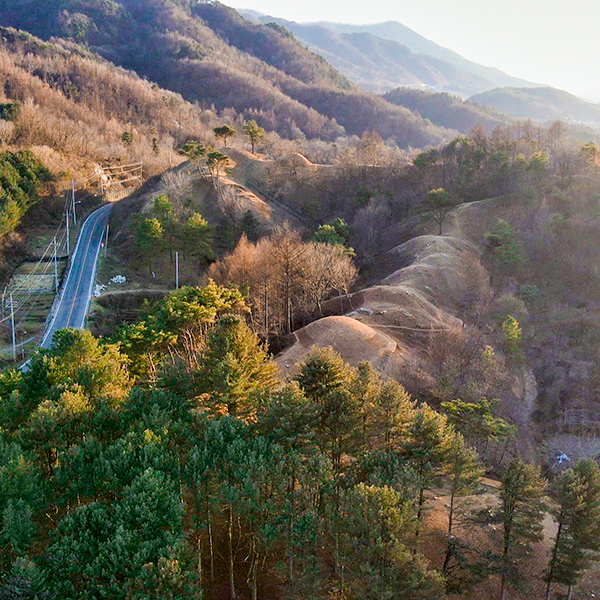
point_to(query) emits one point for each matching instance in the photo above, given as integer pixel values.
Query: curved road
(76, 294)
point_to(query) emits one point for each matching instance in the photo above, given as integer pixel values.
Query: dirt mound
(438, 270)
(402, 311)
(294, 159)
(423, 291)
(353, 340)
(414, 250)
(426, 287)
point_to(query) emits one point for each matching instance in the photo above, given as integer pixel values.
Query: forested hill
(446, 110)
(542, 104)
(208, 53)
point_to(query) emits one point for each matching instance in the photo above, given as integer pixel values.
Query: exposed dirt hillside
(431, 291)
(418, 292)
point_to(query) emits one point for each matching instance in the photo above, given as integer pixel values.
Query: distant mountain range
(385, 56)
(394, 31)
(542, 104)
(445, 110)
(389, 58)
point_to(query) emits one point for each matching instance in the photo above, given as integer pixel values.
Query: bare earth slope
(402, 309)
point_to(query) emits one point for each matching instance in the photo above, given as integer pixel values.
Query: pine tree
(328, 381)
(149, 238)
(130, 546)
(391, 412)
(236, 368)
(323, 372)
(425, 446)
(376, 530)
(251, 226)
(521, 515)
(578, 519)
(254, 133)
(438, 204)
(224, 132)
(464, 471)
(197, 238)
(290, 420)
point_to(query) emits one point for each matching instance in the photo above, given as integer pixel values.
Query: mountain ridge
(380, 65)
(286, 89)
(395, 31)
(540, 103)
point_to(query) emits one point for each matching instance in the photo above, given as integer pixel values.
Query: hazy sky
(556, 42)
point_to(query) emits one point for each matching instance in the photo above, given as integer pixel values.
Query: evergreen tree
(175, 329)
(224, 132)
(504, 245)
(438, 204)
(217, 161)
(21, 494)
(165, 213)
(577, 540)
(254, 133)
(194, 151)
(323, 372)
(476, 420)
(197, 238)
(163, 209)
(512, 333)
(149, 238)
(376, 561)
(71, 391)
(251, 226)
(521, 515)
(464, 472)
(236, 368)
(426, 446)
(391, 412)
(18, 528)
(334, 232)
(328, 381)
(290, 420)
(128, 547)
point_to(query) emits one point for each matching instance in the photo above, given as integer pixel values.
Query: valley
(316, 332)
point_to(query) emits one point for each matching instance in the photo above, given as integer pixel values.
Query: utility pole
(176, 270)
(106, 242)
(73, 201)
(55, 267)
(68, 240)
(12, 327)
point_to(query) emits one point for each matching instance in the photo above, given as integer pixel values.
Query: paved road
(74, 302)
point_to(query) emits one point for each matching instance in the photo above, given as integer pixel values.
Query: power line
(27, 298)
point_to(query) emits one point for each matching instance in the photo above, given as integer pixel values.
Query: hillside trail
(248, 173)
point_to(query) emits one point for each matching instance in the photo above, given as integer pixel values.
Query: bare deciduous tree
(285, 277)
(177, 186)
